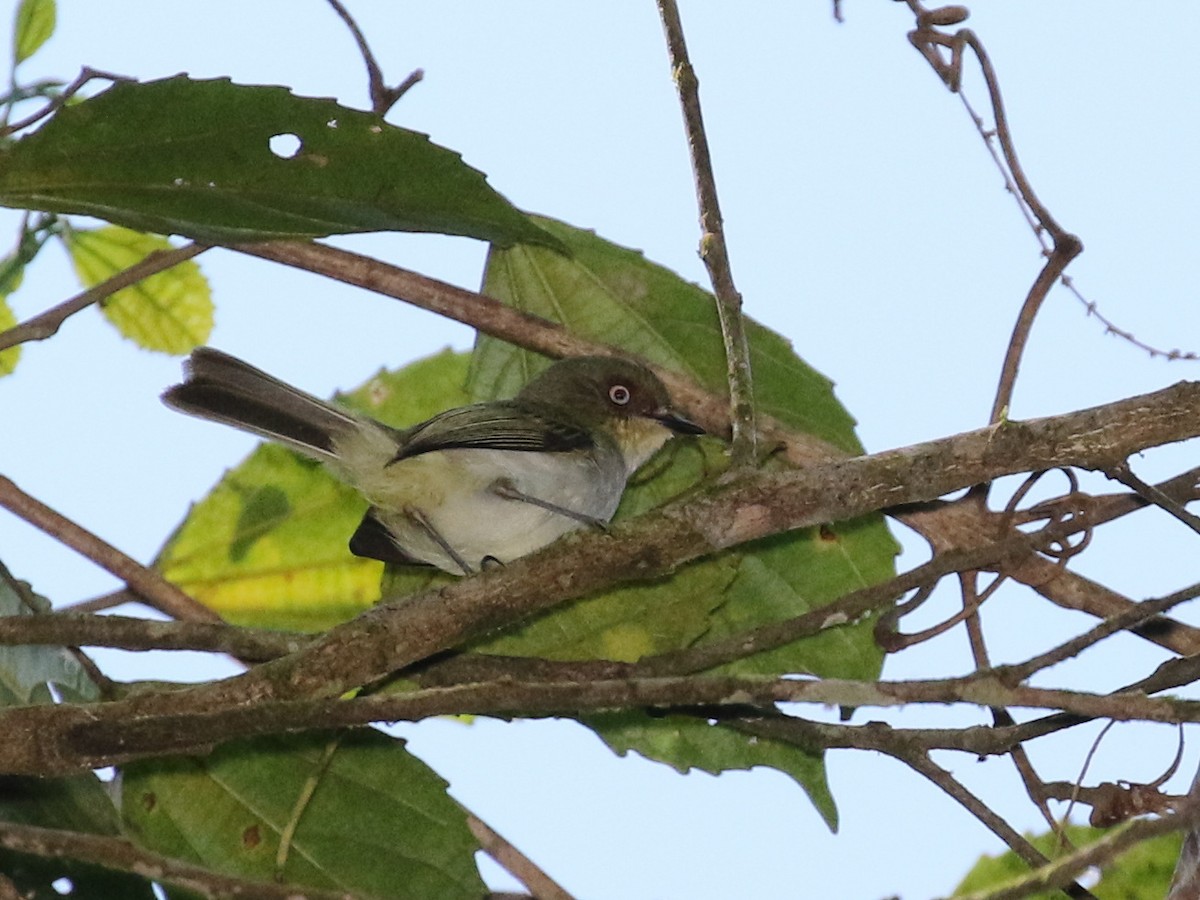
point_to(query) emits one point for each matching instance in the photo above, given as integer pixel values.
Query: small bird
(478, 484)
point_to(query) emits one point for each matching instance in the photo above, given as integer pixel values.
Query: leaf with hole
(193, 157)
(355, 812)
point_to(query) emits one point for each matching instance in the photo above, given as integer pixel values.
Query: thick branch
(90, 736)
(946, 526)
(395, 634)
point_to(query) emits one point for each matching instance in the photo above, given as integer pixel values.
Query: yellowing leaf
(34, 25)
(170, 311)
(9, 357)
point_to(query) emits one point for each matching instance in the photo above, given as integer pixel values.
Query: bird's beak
(675, 422)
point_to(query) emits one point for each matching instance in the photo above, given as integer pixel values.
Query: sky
(866, 223)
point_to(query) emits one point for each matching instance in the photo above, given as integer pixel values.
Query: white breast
(453, 490)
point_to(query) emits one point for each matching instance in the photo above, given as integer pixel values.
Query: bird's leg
(504, 488)
(418, 518)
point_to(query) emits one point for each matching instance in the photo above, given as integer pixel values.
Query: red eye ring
(619, 394)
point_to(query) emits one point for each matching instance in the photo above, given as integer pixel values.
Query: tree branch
(151, 586)
(396, 634)
(46, 324)
(121, 855)
(713, 251)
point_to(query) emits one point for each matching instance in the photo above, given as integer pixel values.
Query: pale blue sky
(866, 223)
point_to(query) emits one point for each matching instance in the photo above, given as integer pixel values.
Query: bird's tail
(222, 388)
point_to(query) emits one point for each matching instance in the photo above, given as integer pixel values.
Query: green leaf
(377, 820)
(170, 311)
(79, 803)
(33, 27)
(196, 158)
(26, 672)
(612, 294)
(267, 546)
(686, 743)
(12, 355)
(1141, 873)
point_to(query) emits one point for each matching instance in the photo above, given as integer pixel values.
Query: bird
(473, 486)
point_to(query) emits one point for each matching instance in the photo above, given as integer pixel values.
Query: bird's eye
(619, 394)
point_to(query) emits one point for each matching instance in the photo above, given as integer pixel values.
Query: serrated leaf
(687, 743)
(378, 820)
(267, 546)
(183, 156)
(625, 624)
(12, 355)
(169, 311)
(615, 295)
(34, 25)
(25, 671)
(1141, 873)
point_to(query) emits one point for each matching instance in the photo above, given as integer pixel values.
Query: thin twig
(128, 633)
(713, 250)
(121, 855)
(383, 98)
(151, 586)
(1059, 873)
(46, 324)
(85, 75)
(516, 863)
(1066, 249)
(921, 762)
(1136, 614)
(1152, 494)
(972, 599)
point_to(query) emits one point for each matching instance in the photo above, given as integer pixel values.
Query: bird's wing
(494, 426)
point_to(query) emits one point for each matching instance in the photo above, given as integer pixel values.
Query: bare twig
(383, 98)
(713, 251)
(151, 586)
(516, 863)
(85, 75)
(127, 633)
(921, 762)
(1136, 614)
(972, 598)
(1124, 474)
(121, 855)
(1066, 248)
(46, 324)
(1061, 872)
